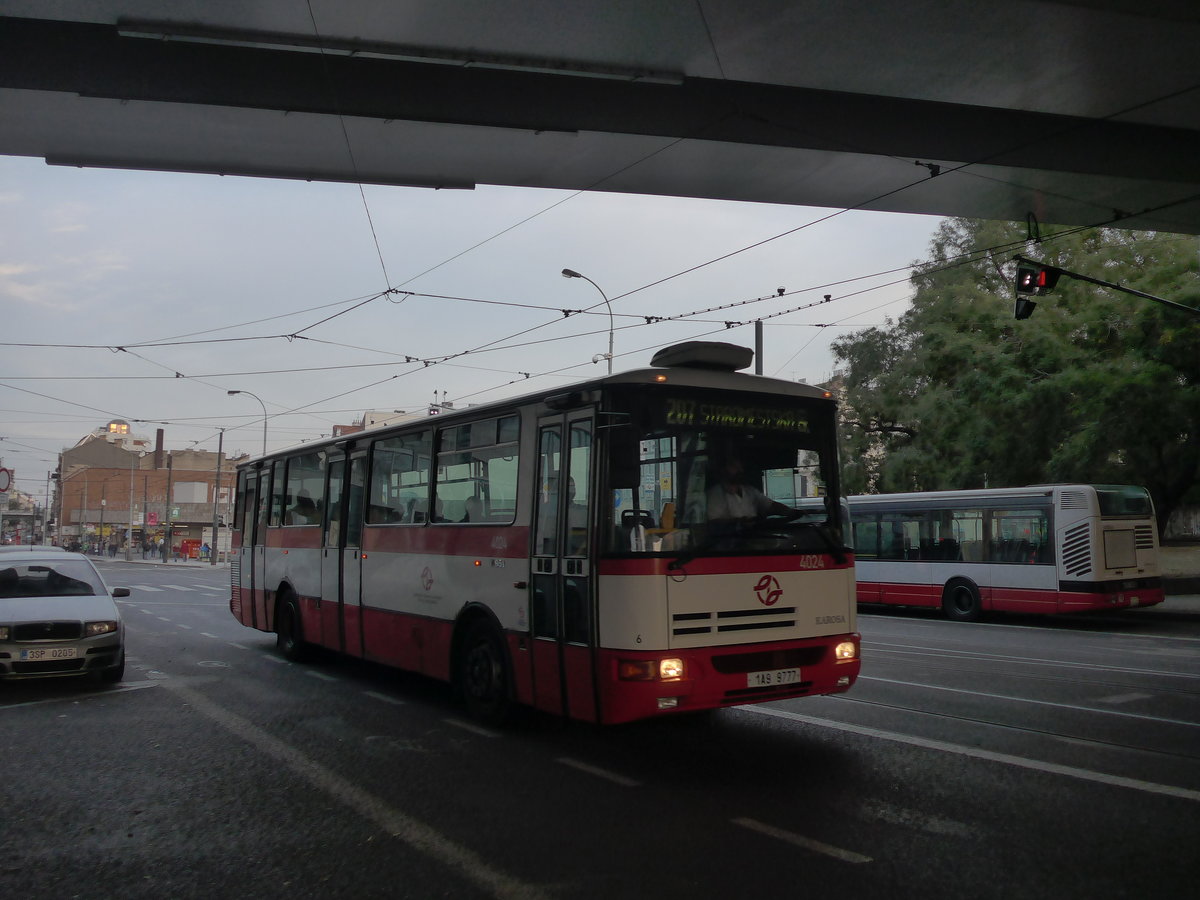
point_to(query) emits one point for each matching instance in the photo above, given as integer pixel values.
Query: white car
(57, 616)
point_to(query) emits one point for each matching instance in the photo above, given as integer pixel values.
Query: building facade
(118, 494)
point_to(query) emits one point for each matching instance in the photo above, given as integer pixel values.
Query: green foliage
(1097, 386)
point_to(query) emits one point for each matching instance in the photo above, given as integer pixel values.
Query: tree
(1096, 386)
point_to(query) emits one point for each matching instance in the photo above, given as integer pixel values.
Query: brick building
(117, 493)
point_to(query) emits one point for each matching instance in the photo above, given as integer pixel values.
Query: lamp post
(571, 273)
(212, 548)
(264, 406)
(133, 455)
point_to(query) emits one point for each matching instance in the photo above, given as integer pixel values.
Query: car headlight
(91, 629)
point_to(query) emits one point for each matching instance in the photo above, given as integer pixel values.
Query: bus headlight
(650, 669)
(670, 669)
(845, 651)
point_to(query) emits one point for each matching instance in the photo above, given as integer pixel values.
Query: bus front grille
(735, 620)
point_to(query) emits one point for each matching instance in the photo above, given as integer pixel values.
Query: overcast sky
(220, 271)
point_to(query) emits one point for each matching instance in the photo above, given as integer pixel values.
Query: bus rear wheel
(960, 602)
(289, 633)
(483, 674)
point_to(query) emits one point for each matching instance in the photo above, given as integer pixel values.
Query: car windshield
(49, 578)
(716, 475)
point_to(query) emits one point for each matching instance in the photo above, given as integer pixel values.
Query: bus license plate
(772, 678)
(50, 653)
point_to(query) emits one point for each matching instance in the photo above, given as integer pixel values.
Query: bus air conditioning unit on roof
(704, 355)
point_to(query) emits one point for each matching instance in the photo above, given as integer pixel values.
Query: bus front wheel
(483, 674)
(960, 602)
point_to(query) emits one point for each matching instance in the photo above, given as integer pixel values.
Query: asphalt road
(1019, 758)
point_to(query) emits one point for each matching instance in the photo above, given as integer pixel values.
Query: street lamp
(264, 406)
(571, 273)
(133, 455)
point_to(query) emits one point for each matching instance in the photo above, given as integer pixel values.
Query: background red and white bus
(1044, 549)
(555, 550)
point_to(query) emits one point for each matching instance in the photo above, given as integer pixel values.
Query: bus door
(341, 556)
(561, 577)
(256, 539)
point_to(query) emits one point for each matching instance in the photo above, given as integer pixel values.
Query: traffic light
(1035, 280)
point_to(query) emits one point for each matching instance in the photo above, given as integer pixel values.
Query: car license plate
(772, 677)
(50, 653)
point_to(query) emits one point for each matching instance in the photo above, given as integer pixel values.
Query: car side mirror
(120, 592)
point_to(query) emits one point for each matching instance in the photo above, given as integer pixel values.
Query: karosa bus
(1045, 549)
(557, 551)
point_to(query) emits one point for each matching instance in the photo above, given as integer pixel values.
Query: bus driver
(731, 498)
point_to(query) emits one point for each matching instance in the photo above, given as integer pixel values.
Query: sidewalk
(157, 561)
(1177, 604)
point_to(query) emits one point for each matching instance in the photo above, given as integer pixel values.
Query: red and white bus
(556, 550)
(1045, 549)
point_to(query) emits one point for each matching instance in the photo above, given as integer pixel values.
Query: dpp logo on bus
(768, 590)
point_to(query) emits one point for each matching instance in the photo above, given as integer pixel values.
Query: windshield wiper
(762, 526)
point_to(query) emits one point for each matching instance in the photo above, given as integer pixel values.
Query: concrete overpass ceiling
(1074, 111)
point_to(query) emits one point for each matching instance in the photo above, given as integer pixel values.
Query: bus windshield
(732, 473)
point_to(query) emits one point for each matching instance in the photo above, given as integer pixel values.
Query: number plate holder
(44, 653)
(772, 677)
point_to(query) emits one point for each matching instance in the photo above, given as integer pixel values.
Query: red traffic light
(1036, 279)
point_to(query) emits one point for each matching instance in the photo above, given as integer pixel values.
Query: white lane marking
(1124, 698)
(148, 612)
(239, 646)
(405, 828)
(128, 686)
(206, 634)
(275, 659)
(321, 675)
(384, 697)
(188, 627)
(147, 587)
(471, 727)
(801, 841)
(1148, 787)
(598, 772)
(1072, 706)
(1041, 629)
(975, 655)
(179, 587)
(911, 818)
(161, 619)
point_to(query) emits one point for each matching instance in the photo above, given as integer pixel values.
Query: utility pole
(212, 548)
(170, 530)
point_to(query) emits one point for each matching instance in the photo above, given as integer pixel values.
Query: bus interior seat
(631, 519)
(667, 519)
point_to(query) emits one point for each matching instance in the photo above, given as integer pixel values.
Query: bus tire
(483, 674)
(961, 602)
(289, 631)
